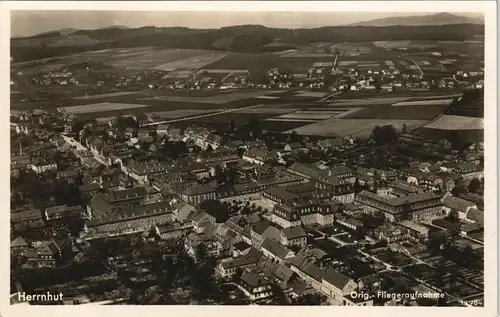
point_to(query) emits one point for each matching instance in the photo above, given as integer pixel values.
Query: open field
(398, 113)
(277, 111)
(308, 115)
(259, 64)
(431, 102)
(174, 114)
(181, 74)
(100, 107)
(396, 44)
(448, 122)
(317, 94)
(191, 62)
(267, 97)
(352, 127)
(138, 58)
(366, 101)
(226, 118)
(435, 97)
(106, 95)
(306, 54)
(280, 126)
(217, 99)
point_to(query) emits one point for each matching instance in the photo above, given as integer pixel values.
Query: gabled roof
(275, 248)
(476, 215)
(335, 278)
(260, 227)
(27, 215)
(18, 242)
(294, 232)
(253, 279)
(280, 192)
(341, 169)
(252, 257)
(458, 203)
(283, 272)
(200, 215)
(271, 233)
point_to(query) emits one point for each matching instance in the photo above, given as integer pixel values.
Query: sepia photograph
(251, 158)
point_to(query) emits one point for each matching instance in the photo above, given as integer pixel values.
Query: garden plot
(453, 123)
(107, 95)
(353, 127)
(100, 107)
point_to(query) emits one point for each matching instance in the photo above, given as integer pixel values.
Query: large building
(416, 206)
(338, 188)
(131, 219)
(304, 211)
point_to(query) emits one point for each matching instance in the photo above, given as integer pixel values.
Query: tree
(201, 253)
(295, 248)
(237, 275)
(474, 185)
(310, 300)
(404, 129)
(294, 137)
(386, 134)
(216, 209)
(278, 296)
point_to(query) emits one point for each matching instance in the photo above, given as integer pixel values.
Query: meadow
(100, 107)
(352, 127)
(449, 122)
(106, 95)
(216, 99)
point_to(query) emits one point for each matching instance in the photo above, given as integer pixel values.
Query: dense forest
(240, 39)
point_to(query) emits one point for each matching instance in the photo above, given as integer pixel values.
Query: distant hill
(121, 27)
(433, 19)
(240, 39)
(60, 32)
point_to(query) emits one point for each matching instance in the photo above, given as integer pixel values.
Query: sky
(27, 23)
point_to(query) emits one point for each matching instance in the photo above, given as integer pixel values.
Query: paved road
(419, 69)
(202, 115)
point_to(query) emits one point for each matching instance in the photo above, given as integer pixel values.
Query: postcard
(250, 158)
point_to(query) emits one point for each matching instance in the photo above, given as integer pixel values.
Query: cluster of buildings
(276, 215)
